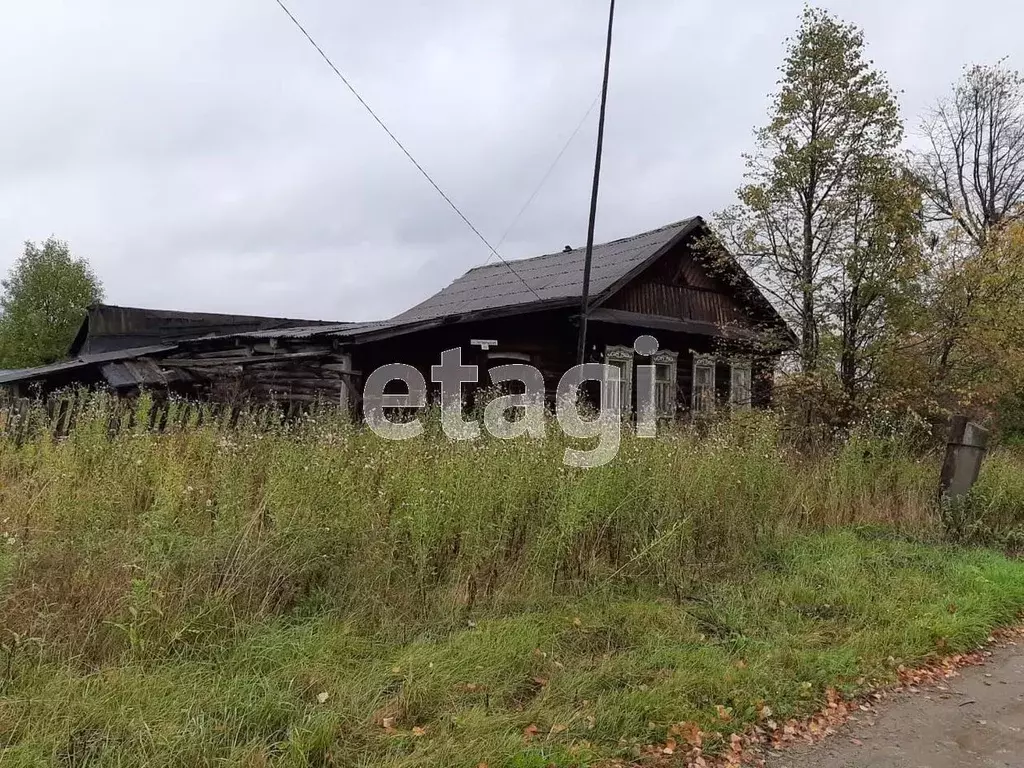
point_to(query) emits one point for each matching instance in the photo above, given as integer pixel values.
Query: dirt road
(976, 722)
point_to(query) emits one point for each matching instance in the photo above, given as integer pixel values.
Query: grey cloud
(203, 156)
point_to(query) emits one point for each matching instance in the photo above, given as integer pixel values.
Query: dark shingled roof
(548, 281)
(108, 327)
(553, 277)
(308, 331)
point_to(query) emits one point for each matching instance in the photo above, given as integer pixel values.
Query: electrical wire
(545, 177)
(406, 152)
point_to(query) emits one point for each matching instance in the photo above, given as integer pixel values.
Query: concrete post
(965, 450)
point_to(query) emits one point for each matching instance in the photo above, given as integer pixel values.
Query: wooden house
(719, 338)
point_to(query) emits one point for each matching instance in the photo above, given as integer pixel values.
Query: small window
(618, 388)
(740, 389)
(665, 383)
(703, 383)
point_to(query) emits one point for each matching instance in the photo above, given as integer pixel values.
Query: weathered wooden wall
(546, 339)
(678, 286)
(300, 371)
(548, 342)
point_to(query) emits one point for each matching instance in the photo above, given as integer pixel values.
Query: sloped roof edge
(110, 326)
(549, 277)
(81, 361)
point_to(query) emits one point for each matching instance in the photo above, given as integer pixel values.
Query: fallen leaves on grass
(688, 732)
(684, 742)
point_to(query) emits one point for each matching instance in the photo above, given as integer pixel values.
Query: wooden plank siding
(677, 286)
(546, 339)
(653, 298)
(303, 371)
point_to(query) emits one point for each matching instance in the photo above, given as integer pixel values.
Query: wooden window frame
(615, 354)
(708, 362)
(741, 364)
(670, 359)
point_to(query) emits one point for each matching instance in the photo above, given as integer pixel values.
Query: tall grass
(232, 591)
(148, 540)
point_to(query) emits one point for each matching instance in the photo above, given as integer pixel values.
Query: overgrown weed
(235, 590)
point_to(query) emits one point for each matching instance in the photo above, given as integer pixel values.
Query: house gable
(678, 285)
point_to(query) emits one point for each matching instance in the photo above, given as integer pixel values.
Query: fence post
(965, 450)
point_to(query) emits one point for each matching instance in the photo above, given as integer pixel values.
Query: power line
(401, 146)
(546, 176)
(537, 189)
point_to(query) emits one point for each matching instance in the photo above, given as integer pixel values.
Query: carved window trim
(702, 399)
(621, 398)
(666, 392)
(741, 395)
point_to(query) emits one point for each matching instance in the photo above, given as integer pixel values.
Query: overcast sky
(203, 157)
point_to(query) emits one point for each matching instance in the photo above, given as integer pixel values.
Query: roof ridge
(187, 313)
(549, 276)
(626, 239)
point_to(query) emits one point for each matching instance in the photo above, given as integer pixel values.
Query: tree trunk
(809, 336)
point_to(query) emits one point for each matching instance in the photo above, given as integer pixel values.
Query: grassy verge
(597, 675)
(311, 596)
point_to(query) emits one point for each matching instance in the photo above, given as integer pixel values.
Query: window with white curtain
(703, 383)
(618, 389)
(741, 384)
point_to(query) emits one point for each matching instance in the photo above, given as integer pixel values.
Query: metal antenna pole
(582, 345)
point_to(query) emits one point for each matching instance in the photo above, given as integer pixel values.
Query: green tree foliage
(971, 325)
(44, 299)
(828, 220)
(967, 352)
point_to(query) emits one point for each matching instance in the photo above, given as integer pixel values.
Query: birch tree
(826, 220)
(972, 173)
(973, 168)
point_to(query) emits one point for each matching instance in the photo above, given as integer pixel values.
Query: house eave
(676, 325)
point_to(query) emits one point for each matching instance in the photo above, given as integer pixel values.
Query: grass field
(313, 596)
